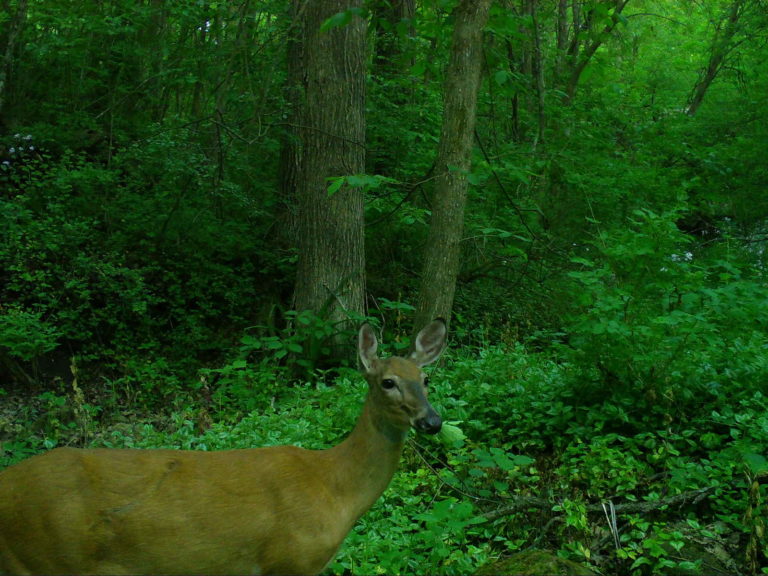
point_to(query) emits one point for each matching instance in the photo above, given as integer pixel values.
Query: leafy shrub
(106, 260)
(655, 323)
(24, 334)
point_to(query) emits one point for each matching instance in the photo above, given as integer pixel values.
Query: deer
(269, 510)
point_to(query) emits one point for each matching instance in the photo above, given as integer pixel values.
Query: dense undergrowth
(535, 451)
(615, 412)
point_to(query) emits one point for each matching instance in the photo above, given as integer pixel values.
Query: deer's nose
(430, 423)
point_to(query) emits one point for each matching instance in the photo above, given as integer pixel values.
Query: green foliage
(266, 362)
(608, 335)
(653, 550)
(543, 442)
(654, 316)
(89, 260)
(439, 537)
(342, 18)
(24, 334)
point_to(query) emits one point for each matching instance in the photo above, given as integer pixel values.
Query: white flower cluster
(22, 144)
(25, 138)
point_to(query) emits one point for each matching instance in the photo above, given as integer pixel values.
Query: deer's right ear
(367, 344)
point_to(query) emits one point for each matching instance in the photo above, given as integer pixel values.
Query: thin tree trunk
(14, 29)
(721, 47)
(197, 92)
(154, 35)
(562, 36)
(538, 75)
(442, 256)
(330, 277)
(581, 58)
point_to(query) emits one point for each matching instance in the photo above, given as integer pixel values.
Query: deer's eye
(388, 384)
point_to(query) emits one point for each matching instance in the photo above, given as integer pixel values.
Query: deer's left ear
(430, 342)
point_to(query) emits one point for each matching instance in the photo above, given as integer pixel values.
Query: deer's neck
(366, 461)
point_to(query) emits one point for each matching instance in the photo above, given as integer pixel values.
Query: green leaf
(452, 435)
(343, 18)
(362, 181)
(294, 347)
(335, 184)
(337, 20)
(757, 463)
(502, 77)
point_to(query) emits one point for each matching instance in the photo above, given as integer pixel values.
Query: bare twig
(523, 502)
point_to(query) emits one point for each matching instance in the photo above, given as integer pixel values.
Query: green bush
(658, 322)
(106, 260)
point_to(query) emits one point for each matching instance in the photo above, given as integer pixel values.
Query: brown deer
(274, 510)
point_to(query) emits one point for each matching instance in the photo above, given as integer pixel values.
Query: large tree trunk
(442, 256)
(331, 269)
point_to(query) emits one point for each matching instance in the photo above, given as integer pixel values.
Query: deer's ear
(367, 344)
(430, 342)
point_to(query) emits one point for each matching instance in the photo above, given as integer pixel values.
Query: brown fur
(277, 510)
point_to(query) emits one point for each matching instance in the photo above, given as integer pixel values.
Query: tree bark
(442, 256)
(330, 277)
